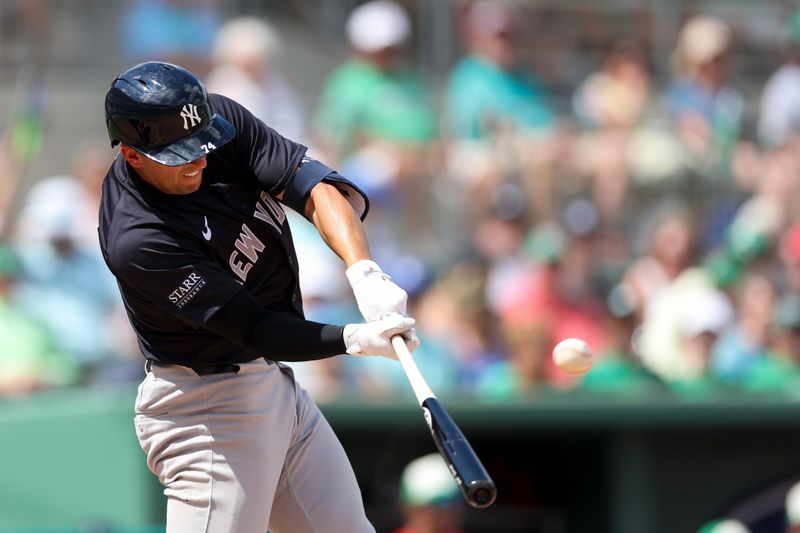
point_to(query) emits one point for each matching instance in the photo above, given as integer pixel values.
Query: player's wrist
(376, 294)
(335, 335)
(348, 338)
(362, 269)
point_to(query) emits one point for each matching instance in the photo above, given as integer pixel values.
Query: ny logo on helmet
(190, 116)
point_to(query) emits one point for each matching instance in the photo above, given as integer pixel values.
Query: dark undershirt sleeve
(276, 335)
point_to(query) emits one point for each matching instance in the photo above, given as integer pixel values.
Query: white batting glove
(374, 338)
(376, 294)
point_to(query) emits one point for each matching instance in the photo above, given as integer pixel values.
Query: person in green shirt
(375, 95)
(29, 359)
(617, 370)
(778, 372)
(499, 120)
(376, 121)
(724, 525)
(488, 89)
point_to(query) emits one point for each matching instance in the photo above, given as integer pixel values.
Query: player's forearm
(377, 296)
(284, 337)
(337, 223)
(279, 336)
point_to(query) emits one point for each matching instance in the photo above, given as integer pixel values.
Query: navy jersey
(179, 258)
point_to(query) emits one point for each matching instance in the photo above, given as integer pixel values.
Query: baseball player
(193, 228)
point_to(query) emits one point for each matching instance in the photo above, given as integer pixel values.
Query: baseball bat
(477, 487)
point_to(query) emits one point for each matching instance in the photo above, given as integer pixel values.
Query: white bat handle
(421, 389)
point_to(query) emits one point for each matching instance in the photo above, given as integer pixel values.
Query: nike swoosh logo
(207, 231)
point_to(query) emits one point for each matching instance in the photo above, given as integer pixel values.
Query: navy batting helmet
(162, 111)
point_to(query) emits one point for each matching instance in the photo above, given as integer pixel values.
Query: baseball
(573, 356)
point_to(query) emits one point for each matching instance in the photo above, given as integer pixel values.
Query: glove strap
(361, 269)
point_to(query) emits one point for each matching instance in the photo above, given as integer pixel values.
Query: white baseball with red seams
(573, 356)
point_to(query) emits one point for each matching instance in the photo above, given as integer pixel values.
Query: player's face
(183, 179)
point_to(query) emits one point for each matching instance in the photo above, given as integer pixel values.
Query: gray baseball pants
(244, 452)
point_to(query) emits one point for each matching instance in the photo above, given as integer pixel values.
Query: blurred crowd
(660, 222)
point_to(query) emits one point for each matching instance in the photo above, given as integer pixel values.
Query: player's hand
(374, 338)
(376, 294)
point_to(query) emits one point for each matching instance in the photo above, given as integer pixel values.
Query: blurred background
(623, 171)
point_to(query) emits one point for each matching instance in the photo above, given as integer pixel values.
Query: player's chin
(189, 184)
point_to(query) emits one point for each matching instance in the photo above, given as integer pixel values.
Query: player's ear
(133, 157)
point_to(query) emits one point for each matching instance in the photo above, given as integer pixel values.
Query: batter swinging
(191, 225)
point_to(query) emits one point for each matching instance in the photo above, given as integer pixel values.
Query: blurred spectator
(615, 96)
(64, 285)
(779, 119)
(376, 95)
(792, 509)
(778, 372)
(34, 22)
(788, 260)
(786, 322)
(246, 58)
(756, 225)
(705, 109)
(498, 238)
(724, 525)
(548, 298)
(745, 341)
(666, 248)
(21, 140)
(8, 185)
(29, 359)
(488, 89)
(524, 370)
(665, 286)
(498, 115)
(609, 104)
(676, 347)
(175, 31)
(618, 369)
(70, 201)
(376, 122)
(63, 282)
(430, 497)
(706, 315)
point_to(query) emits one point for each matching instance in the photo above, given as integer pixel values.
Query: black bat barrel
(473, 480)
